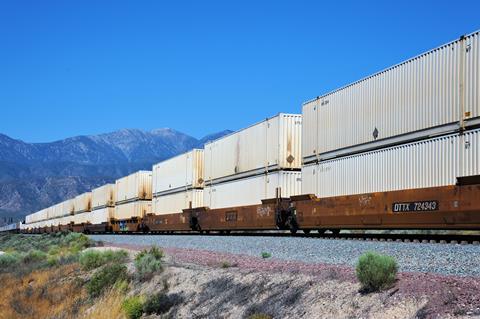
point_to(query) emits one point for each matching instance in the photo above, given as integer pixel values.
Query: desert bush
(147, 263)
(161, 303)
(266, 255)
(376, 271)
(226, 264)
(8, 261)
(133, 307)
(260, 316)
(93, 259)
(106, 277)
(34, 256)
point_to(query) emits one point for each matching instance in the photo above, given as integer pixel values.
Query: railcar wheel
(306, 231)
(335, 231)
(321, 231)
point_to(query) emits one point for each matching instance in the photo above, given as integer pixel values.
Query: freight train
(397, 150)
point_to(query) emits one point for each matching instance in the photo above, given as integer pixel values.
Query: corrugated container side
(182, 171)
(83, 203)
(472, 75)
(65, 208)
(103, 196)
(81, 218)
(252, 190)
(102, 215)
(175, 203)
(419, 94)
(274, 144)
(133, 209)
(134, 186)
(429, 163)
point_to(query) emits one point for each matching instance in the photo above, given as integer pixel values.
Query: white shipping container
(175, 203)
(134, 186)
(425, 95)
(80, 218)
(83, 203)
(271, 144)
(251, 190)
(429, 163)
(65, 208)
(137, 208)
(103, 196)
(102, 215)
(184, 171)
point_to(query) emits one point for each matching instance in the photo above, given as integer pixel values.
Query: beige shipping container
(272, 144)
(429, 163)
(177, 202)
(184, 171)
(433, 93)
(66, 208)
(81, 218)
(101, 215)
(83, 203)
(251, 190)
(103, 196)
(136, 186)
(137, 208)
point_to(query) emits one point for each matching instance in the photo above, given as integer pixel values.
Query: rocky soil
(209, 284)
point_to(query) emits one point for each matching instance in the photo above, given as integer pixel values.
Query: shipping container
(430, 94)
(65, 208)
(251, 190)
(428, 163)
(137, 208)
(181, 172)
(103, 196)
(136, 186)
(270, 145)
(175, 203)
(83, 203)
(101, 215)
(81, 218)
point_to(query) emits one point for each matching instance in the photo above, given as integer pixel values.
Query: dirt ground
(212, 285)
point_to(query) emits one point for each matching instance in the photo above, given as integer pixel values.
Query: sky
(72, 68)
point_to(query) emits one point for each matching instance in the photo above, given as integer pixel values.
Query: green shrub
(376, 271)
(226, 264)
(93, 259)
(105, 278)
(133, 307)
(147, 263)
(266, 255)
(161, 303)
(121, 286)
(9, 260)
(34, 256)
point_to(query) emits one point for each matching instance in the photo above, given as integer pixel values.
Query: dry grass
(109, 306)
(44, 293)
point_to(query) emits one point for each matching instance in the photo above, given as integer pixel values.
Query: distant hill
(37, 175)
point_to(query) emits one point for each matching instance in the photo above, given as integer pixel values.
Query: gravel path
(447, 259)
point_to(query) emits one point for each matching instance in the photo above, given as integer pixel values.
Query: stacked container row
(133, 195)
(433, 93)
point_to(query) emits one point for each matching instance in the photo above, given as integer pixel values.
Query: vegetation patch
(148, 263)
(133, 307)
(266, 255)
(105, 278)
(92, 259)
(161, 303)
(376, 271)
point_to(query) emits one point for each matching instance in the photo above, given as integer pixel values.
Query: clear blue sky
(85, 67)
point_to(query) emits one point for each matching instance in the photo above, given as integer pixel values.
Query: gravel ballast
(446, 259)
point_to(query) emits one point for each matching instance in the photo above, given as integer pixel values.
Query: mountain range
(37, 175)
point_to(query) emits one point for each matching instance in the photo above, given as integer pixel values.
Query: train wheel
(335, 231)
(306, 231)
(321, 231)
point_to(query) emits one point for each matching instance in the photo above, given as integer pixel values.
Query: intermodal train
(399, 149)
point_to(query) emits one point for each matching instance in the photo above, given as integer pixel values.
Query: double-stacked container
(178, 183)
(133, 195)
(410, 126)
(82, 207)
(250, 165)
(103, 204)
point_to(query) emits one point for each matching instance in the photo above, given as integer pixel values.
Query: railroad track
(406, 238)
